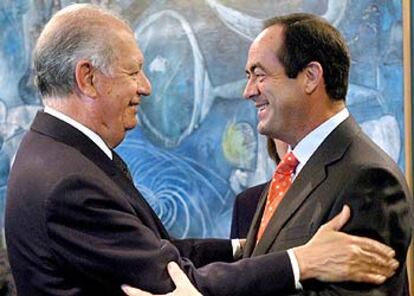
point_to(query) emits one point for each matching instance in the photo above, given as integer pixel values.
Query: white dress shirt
(303, 152)
(308, 145)
(83, 129)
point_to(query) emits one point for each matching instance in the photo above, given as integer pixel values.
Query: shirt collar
(308, 145)
(86, 131)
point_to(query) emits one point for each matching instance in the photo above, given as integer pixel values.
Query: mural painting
(196, 146)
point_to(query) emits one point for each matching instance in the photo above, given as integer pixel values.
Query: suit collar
(310, 143)
(84, 129)
(61, 131)
(311, 176)
(254, 227)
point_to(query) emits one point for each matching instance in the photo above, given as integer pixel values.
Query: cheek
(129, 119)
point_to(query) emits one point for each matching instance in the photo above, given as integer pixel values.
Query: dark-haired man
(297, 72)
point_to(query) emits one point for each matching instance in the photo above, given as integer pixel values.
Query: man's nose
(250, 91)
(144, 85)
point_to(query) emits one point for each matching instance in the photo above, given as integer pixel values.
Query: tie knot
(287, 165)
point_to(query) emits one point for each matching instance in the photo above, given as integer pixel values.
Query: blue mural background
(196, 146)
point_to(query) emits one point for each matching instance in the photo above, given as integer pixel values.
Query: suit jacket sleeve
(91, 227)
(234, 230)
(381, 209)
(205, 251)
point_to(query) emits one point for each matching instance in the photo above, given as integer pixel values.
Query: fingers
(372, 263)
(374, 259)
(128, 290)
(179, 278)
(183, 285)
(362, 264)
(371, 278)
(374, 246)
(335, 256)
(339, 220)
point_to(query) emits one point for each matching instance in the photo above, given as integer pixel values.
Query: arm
(341, 256)
(182, 284)
(98, 235)
(204, 251)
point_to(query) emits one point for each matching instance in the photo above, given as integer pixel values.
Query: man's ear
(84, 75)
(313, 76)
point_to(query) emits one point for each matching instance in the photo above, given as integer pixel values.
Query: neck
(316, 117)
(75, 108)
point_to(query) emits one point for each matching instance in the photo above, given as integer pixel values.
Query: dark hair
(309, 38)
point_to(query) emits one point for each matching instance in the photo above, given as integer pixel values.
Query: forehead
(127, 49)
(264, 48)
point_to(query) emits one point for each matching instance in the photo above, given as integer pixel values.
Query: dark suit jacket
(76, 225)
(348, 168)
(245, 206)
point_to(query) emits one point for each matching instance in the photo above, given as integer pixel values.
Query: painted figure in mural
(75, 223)
(300, 92)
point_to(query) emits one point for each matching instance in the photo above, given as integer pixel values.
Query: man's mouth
(262, 106)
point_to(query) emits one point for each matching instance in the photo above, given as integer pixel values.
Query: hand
(333, 256)
(242, 243)
(183, 285)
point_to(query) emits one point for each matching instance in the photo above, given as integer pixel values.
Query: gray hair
(77, 32)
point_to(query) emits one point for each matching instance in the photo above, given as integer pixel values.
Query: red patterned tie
(281, 181)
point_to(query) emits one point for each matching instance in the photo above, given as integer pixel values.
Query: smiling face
(280, 101)
(119, 93)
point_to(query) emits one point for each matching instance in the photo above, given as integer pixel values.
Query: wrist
(305, 268)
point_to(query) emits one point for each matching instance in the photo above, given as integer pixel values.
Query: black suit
(348, 168)
(245, 206)
(76, 225)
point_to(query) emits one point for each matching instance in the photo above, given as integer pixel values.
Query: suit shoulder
(369, 155)
(254, 189)
(251, 191)
(250, 197)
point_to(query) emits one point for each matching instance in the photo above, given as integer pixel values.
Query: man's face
(278, 99)
(120, 92)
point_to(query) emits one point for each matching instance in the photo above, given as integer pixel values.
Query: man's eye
(259, 76)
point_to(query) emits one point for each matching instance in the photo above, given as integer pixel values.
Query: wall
(197, 146)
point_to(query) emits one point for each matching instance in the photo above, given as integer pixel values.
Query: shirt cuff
(237, 250)
(295, 268)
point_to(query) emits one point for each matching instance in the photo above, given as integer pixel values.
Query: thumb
(177, 275)
(339, 220)
(130, 291)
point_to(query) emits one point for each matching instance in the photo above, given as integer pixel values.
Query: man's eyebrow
(254, 67)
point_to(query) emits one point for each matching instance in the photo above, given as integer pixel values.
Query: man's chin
(262, 130)
(130, 125)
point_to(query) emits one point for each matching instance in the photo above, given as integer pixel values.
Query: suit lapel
(137, 200)
(311, 176)
(61, 131)
(254, 227)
